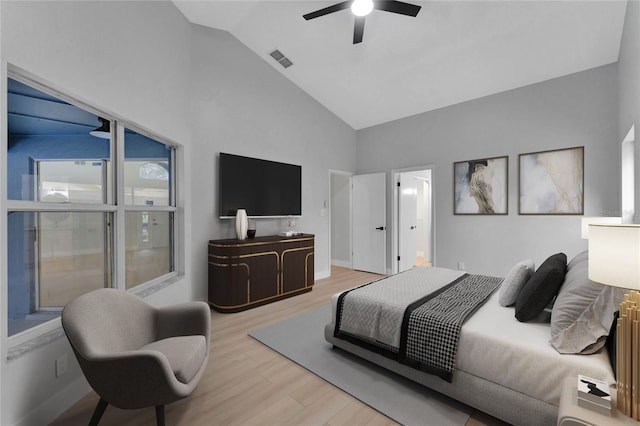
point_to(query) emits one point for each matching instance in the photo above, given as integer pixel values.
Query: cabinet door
(297, 265)
(263, 274)
(228, 283)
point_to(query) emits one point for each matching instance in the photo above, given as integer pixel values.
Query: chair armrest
(134, 379)
(185, 319)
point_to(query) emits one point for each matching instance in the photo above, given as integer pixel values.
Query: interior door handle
(380, 228)
(413, 227)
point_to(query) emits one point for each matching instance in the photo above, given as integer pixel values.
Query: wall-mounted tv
(263, 188)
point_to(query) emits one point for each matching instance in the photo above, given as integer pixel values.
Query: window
(149, 208)
(628, 176)
(80, 216)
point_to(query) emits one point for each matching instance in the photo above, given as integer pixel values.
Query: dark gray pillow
(541, 288)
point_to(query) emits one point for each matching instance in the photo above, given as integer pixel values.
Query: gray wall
(130, 59)
(241, 105)
(576, 110)
(629, 87)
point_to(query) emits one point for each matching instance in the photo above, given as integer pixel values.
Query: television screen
(261, 187)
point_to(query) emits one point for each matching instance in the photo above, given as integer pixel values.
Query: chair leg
(160, 415)
(98, 412)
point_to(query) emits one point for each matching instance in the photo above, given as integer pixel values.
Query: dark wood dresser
(252, 272)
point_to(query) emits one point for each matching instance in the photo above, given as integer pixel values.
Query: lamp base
(628, 356)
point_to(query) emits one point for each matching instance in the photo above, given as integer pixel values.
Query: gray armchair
(135, 355)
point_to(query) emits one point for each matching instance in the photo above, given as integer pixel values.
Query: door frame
(395, 231)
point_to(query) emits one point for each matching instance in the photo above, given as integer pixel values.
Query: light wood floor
(247, 383)
(420, 261)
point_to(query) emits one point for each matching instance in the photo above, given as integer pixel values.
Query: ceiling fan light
(104, 131)
(361, 7)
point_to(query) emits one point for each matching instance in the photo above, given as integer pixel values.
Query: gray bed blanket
(414, 317)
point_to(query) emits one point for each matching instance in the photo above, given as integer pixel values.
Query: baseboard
(60, 402)
(319, 275)
(341, 263)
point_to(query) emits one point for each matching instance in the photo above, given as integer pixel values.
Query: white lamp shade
(614, 255)
(586, 221)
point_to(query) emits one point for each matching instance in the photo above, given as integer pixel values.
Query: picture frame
(480, 187)
(551, 182)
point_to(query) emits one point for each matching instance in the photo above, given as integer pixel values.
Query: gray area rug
(301, 339)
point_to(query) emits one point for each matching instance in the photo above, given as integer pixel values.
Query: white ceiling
(452, 52)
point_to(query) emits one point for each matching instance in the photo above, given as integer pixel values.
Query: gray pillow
(514, 281)
(583, 311)
(579, 258)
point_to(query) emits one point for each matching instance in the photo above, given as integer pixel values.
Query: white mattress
(495, 346)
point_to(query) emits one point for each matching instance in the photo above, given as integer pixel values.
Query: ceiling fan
(361, 8)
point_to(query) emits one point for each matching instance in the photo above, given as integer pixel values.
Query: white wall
(576, 110)
(241, 105)
(629, 87)
(130, 59)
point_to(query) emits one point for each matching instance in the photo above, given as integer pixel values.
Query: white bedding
(495, 346)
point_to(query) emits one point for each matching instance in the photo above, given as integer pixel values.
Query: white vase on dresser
(242, 223)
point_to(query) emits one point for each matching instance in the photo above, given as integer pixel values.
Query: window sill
(147, 289)
(43, 334)
(40, 340)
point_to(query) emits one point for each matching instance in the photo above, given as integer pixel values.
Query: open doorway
(340, 219)
(412, 222)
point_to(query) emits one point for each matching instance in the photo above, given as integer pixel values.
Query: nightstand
(570, 414)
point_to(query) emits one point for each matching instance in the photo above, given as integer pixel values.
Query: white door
(369, 223)
(408, 217)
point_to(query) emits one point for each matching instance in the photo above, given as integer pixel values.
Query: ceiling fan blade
(397, 7)
(358, 30)
(327, 10)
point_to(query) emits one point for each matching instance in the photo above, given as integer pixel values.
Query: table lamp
(614, 260)
(604, 220)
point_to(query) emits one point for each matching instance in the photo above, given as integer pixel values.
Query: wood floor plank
(248, 383)
(357, 413)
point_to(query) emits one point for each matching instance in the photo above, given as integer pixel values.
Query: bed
(508, 368)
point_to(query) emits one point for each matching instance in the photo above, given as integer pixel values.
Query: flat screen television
(263, 188)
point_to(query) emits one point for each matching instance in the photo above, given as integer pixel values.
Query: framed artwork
(480, 186)
(552, 182)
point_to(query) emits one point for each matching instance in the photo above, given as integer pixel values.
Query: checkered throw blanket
(428, 326)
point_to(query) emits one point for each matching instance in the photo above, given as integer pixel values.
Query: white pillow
(514, 281)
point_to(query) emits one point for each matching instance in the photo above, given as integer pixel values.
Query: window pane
(53, 257)
(42, 128)
(148, 246)
(78, 181)
(147, 171)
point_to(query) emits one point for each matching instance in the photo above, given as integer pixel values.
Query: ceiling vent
(282, 60)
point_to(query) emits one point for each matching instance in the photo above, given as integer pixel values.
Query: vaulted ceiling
(452, 52)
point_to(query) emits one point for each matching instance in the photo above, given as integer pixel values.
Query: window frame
(120, 248)
(113, 204)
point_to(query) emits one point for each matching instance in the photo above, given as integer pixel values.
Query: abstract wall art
(480, 186)
(552, 182)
